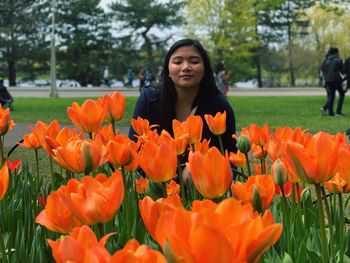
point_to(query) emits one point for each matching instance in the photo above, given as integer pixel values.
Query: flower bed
(281, 197)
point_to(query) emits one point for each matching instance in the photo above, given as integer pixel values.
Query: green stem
(243, 175)
(2, 157)
(262, 160)
(37, 166)
(126, 201)
(322, 223)
(221, 145)
(2, 248)
(101, 230)
(330, 222)
(182, 186)
(90, 135)
(51, 169)
(285, 218)
(248, 164)
(341, 228)
(113, 125)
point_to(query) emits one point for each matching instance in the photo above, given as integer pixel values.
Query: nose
(186, 66)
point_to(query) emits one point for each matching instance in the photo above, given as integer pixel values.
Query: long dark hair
(207, 86)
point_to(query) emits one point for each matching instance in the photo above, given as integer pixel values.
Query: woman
(188, 87)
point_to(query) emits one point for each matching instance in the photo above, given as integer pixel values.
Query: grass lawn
(275, 111)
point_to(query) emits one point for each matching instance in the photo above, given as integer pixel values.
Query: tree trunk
(11, 72)
(149, 51)
(290, 52)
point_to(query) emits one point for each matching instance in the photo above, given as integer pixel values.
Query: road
(43, 92)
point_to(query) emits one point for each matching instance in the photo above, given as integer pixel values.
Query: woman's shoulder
(150, 94)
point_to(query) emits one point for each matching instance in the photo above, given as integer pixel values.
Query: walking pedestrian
(332, 69)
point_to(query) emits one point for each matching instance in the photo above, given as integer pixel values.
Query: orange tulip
(239, 159)
(344, 163)
(202, 146)
(141, 185)
(337, 185)
(181, 133)
(315, 162)
(288, 190)
(39, 130)
(115, 104)
(195, 128)
(211, 172)
(88, 118)
(80, 246)
(159, 162)
(141, 126)
(216, 124)
(172, 188)
(31, 141)
(94, 200)
(134, 252)
(274, 148)
(236, 233)
(80, 156)
(6, 123)
(150, 210)
(4, 180)
(50, 131)
(106, 133)
(56, 216)
(264, 184)
(257, 135)
(118, 150)
(62, 138)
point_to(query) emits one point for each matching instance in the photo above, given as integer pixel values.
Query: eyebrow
(186, 57)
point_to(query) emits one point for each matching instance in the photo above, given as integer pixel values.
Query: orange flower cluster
(6, 123)
(89, 201)
(82, 246)
(235, 231)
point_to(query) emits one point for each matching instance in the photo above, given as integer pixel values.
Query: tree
(21, 35)
(140, 18)
(84, 42)
(227, 30)
(287, 20)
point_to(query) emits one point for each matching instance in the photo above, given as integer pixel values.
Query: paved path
(20, 129)
(43, 92)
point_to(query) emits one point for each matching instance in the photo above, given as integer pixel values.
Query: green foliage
(140, 17)
(85, 37)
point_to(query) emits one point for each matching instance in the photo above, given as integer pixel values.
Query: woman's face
(186, 67)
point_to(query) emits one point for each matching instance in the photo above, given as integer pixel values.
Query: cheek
(173, 70)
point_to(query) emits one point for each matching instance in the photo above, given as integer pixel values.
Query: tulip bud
(243, 144)
(279, 172)
(257, 203)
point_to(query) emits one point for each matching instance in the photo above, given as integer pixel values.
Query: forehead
(186, 51)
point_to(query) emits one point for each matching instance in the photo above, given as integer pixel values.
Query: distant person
(332, 69)
(149, 78)
(141, 77)
(324, 108)
(346, 71)
(106, 76)
(221, 78)
(6, 98)
(188, 88)
(130, 76)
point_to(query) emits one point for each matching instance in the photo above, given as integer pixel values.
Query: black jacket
(147, 107)
(346, 70)
(332, 68)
